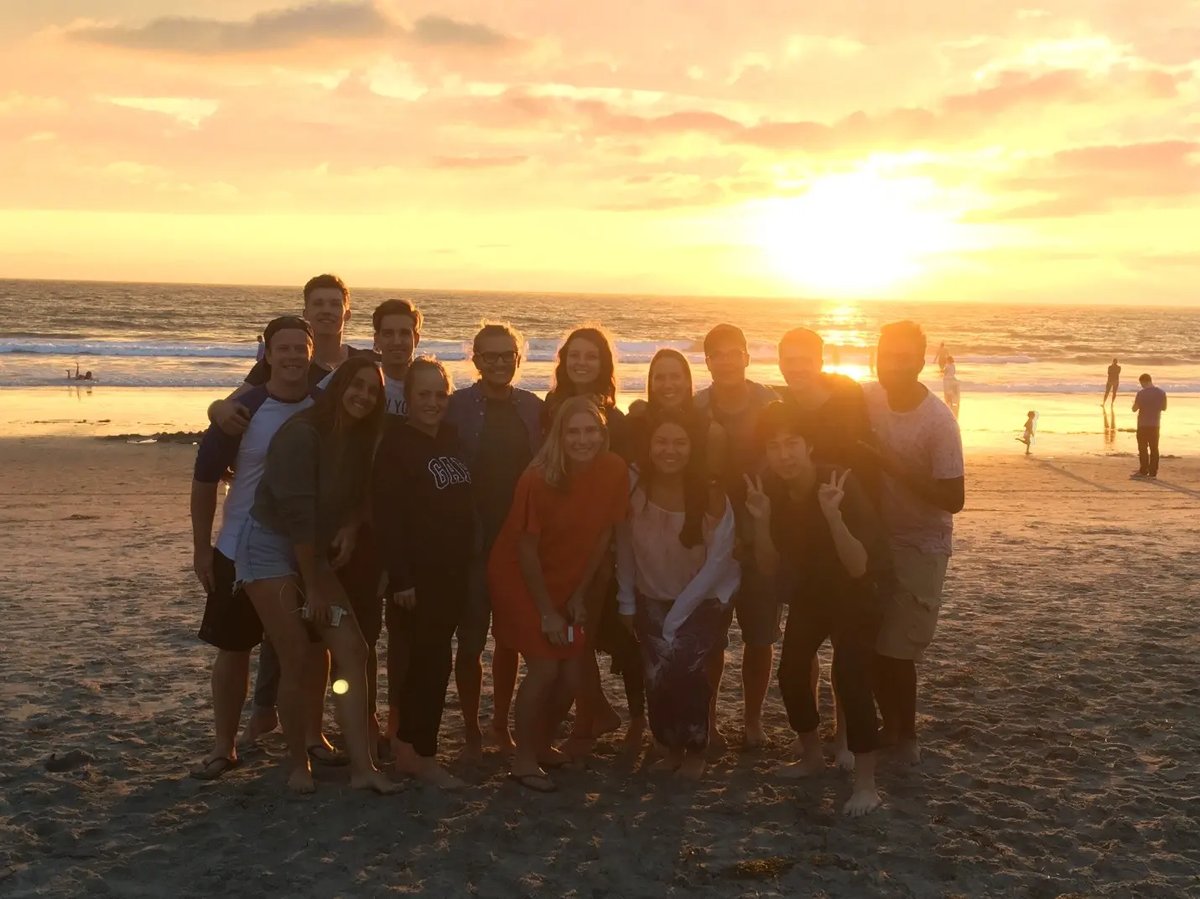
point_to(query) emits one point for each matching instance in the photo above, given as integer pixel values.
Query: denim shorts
(263, 554)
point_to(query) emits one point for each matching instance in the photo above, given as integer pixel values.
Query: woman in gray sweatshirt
(308, 507)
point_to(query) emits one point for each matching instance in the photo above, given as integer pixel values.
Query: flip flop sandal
(539, 783)
(215, 767)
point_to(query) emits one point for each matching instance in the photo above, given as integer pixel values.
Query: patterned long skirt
(677, 687)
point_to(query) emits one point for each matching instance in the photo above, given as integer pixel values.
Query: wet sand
(1060, 715)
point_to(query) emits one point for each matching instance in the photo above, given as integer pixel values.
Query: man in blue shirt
(499, 426)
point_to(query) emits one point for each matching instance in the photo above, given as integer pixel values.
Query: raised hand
(758, 504)
(830, 495)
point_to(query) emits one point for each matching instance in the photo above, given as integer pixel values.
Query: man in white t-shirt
(920, 453)
(230, 622)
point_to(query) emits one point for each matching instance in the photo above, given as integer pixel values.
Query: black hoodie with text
(424, 513)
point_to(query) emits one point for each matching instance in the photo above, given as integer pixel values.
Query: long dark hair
(328, 414)
(695, 478)
(605, 385)
(661, 355)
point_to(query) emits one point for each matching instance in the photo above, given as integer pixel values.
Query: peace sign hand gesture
(758, 504)
(830, 495)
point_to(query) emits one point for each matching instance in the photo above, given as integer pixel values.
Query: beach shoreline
(1059, 714)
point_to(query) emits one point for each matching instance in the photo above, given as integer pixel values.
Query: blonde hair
(551, 459)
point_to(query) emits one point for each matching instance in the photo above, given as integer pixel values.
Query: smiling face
(289, 354)
(428, 397)
(670, 448)
(496, 359)
(326, 310)
(583, 438)
(788, 456)
(396, 339)
(363, 392)
(669, 383)
(583, 363)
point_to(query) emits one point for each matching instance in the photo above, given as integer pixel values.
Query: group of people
(365, 490)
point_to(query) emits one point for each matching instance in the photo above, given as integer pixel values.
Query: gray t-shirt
(1150, 403)
(926, 440)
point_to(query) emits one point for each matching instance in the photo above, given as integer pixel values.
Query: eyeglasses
(493, 358)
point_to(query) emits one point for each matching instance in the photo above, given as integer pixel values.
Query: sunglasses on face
(495, 358)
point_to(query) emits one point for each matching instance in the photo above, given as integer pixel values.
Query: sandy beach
(1060, 714)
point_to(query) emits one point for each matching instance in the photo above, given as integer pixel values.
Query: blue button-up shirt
(468, 409)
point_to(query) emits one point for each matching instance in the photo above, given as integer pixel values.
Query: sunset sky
(936, 149)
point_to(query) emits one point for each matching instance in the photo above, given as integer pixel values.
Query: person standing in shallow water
(1113, 384)
(920, 453)
(499, 426)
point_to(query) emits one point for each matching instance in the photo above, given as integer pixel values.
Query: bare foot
(260, 724)
(424, 768)
(668, 764)
(862, 802)
(843, 757)
(693, 766)
(375, 781)
(501, 738)
(809, 766)
(300, 781)
(755, 736)
(472, 752)
(577, 748)
(907, 751)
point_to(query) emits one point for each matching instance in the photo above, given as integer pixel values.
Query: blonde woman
(556, 535)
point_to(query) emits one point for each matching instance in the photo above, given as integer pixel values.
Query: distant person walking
(1030, 431)
(950, 387)
(1150, 403)
(941, 357)
(1114, 381)
(261, 352)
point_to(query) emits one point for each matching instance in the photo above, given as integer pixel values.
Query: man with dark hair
(1113, 384)
(1150, 403)
(920, 453)
(327, 309)
(734, 402)
(816, 524)
(499, 427)
(834, 415)
(397, 334)
(230, 623)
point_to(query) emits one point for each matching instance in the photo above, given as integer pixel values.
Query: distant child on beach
(1030, 430)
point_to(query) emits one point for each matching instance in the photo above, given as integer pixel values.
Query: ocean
(165, 338)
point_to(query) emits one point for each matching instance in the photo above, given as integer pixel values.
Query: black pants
(426, 631)
(809, 624)
(1147, 440)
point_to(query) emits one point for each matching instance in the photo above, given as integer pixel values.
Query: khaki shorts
(910, 615)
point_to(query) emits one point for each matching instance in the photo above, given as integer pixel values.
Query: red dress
(568, 522)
